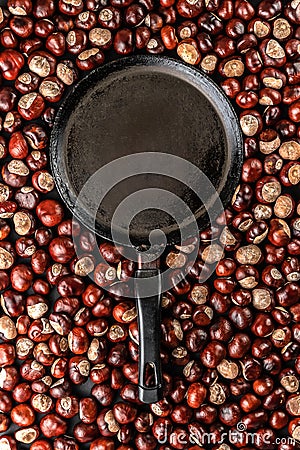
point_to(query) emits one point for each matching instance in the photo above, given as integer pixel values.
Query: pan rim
(221, 104)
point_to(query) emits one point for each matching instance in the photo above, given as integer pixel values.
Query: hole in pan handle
(148, 309)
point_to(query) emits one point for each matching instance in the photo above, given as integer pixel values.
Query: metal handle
(148, 309)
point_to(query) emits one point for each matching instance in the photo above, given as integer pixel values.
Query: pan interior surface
(144, 108)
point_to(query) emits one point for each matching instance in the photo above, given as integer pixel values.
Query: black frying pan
(146, 112)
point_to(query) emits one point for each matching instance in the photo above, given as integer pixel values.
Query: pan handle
(148, 309)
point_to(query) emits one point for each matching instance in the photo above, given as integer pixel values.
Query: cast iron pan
(136, 108)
